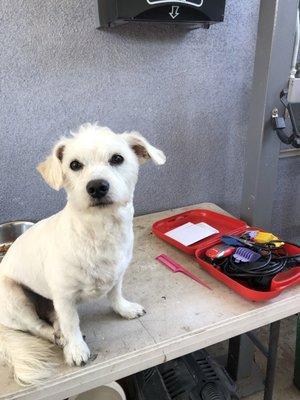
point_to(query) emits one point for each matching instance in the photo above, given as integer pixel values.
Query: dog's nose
(97, 188)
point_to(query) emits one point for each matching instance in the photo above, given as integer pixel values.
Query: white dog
(78, 253)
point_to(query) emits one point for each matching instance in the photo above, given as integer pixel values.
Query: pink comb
(175, 267)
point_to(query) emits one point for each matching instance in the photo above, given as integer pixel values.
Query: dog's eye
(116, 159)
(76, 165)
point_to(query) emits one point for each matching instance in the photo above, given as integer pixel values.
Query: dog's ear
(143, 149)
(51, 168)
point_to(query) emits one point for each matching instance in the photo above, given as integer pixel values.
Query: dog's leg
(122, 306)
(76, 350)
(19, 312)
(45, 310)
(53, 319)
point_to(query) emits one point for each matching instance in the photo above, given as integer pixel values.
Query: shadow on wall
(286, 213)
(148, 32)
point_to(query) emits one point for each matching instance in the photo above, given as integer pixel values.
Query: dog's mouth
(101, 203)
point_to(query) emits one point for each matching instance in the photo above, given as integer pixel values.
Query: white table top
(182, 316)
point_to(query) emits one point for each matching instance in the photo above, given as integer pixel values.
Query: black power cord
(279, 124)
(259, 274)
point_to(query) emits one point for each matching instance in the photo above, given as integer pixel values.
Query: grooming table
(182, 316)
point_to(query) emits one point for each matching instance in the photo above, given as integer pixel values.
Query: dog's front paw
(76, 353)
(131, 310)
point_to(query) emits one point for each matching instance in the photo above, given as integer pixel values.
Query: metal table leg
(272, 358)
(275, 40)
(240, 357)
(242, 368)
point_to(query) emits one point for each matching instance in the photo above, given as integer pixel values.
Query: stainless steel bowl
(10, 231)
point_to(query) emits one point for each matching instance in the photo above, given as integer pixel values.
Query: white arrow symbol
(174, 13)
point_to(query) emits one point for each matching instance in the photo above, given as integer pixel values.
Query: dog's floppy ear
(143, 149)
(51, 168)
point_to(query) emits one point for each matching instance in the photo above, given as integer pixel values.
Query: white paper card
(190, 233)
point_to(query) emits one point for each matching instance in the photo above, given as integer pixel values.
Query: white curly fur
(32, 359)
(78, 253)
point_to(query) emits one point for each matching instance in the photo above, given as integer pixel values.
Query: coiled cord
(260, 273)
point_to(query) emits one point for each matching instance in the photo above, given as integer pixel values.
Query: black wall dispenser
(192, 12)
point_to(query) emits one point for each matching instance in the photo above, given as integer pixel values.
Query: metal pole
(239, 364)
(272, 358)
(258, 344)
(274, 48)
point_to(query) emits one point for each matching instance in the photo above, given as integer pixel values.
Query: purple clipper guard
(242, 254)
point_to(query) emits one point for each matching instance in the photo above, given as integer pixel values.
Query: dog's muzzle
(97, 188)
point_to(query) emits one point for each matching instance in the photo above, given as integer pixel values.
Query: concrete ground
(284, 387)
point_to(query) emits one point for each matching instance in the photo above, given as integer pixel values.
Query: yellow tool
(265, 237)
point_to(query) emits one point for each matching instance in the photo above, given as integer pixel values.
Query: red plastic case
(226, 226)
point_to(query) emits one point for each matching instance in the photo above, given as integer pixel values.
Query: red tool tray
(226, 226)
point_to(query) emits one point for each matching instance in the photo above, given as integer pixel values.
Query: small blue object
(231, 240)
(242, 254)
(235, 241)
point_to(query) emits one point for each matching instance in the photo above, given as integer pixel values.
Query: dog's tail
(32, 359)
